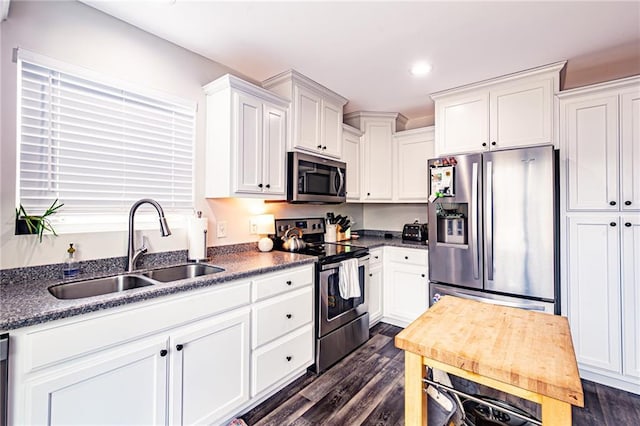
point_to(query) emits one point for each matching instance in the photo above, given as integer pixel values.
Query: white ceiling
(363, 50)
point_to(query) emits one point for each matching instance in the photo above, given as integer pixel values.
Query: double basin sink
(118, 283)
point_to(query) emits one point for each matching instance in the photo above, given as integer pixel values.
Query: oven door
(333, 310)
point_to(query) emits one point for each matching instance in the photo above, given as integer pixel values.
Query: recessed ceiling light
(420, 68)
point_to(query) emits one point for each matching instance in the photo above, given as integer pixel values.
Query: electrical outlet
(253, 227)
(222, 229)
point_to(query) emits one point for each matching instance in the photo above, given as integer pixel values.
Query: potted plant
(30, 224)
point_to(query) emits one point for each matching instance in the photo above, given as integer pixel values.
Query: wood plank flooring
(367, 388)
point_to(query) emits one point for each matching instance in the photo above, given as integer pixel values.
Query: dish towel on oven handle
(349, 283)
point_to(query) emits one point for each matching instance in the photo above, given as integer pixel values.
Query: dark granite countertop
(373, 241)
(26, 301)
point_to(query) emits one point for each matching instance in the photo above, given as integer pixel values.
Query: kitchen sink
(181, 272)
(98, 286)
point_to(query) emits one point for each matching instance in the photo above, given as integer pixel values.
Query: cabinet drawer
(375, 257)
(105, 329)
(278, 316)
(408, 256)
(279, 282)
(275, 361)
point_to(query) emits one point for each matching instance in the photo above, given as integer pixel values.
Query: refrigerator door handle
(488, 215)
(527, 306)
(475, 250)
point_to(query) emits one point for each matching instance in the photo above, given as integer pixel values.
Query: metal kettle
(293, 242)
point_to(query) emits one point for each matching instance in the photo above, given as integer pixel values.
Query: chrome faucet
(132, 254)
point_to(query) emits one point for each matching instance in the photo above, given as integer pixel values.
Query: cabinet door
(411, 166)
(631, 295)
(124, 386)
(307, 117)
(594, 291)
(249, 145)
(275, 139)
(592, 153)
(377, 161)
(210, 369)
(331, 129)
(521, 115)
(462, 124)
(630, 150)
(351, 155)
(406, 291)
(375, 294)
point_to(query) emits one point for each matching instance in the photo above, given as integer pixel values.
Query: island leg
(555, 412)
(415, 403)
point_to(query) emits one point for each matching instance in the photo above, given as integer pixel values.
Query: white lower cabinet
(406, 285)
(375, 286)
(282, 329)
(210, 369)
(604, 297)
(126, 385)
(181, 360)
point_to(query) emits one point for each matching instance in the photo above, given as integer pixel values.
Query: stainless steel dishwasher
(4, 378)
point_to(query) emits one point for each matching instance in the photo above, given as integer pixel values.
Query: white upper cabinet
(246, 140)
(316, 114)
(412, 150)
(352, 155)
(630, 148)
(505, 112)
(377, 154)
(600, 146)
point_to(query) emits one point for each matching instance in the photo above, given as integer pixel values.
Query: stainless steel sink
(98, 286)
(181, 272)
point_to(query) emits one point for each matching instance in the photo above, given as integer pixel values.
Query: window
(97, 146)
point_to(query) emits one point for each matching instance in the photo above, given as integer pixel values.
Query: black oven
(315, 179)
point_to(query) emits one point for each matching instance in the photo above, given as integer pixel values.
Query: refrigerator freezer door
(519, 245)
(455, 255)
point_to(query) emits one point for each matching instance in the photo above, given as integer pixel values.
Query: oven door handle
(361, 261)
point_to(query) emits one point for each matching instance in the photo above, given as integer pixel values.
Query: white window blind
(97, 147)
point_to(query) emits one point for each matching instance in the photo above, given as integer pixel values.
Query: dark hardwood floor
(367, 388)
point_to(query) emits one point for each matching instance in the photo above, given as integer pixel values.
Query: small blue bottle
(71, 268)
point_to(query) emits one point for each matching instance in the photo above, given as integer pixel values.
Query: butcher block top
(529, 350)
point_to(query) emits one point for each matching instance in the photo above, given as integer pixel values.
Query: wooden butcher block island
(524, 353)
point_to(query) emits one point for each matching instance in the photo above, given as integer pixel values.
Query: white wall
(391, 217)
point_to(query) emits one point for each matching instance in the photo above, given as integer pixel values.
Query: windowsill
(83, 224)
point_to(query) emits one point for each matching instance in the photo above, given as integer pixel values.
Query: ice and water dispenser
(451, 216)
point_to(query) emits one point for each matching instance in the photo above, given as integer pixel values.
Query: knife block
(343, 235)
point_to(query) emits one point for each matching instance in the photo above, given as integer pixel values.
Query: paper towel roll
(197, 234)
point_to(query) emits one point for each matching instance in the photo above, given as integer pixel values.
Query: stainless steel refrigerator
(493, 226)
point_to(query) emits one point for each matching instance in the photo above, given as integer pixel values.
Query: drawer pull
(612, 224)
(613, 203)
(163, 352)
(406, 258)
(627, 224)
(370, 275)
(179, 347)
(289, 283)
(422, 275)
(289, 358)
(376, 257)
(627, 203)
(289, 316)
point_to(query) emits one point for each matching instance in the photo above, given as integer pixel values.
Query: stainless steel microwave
(312, 179)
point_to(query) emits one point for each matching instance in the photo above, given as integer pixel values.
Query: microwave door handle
(341, 186)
